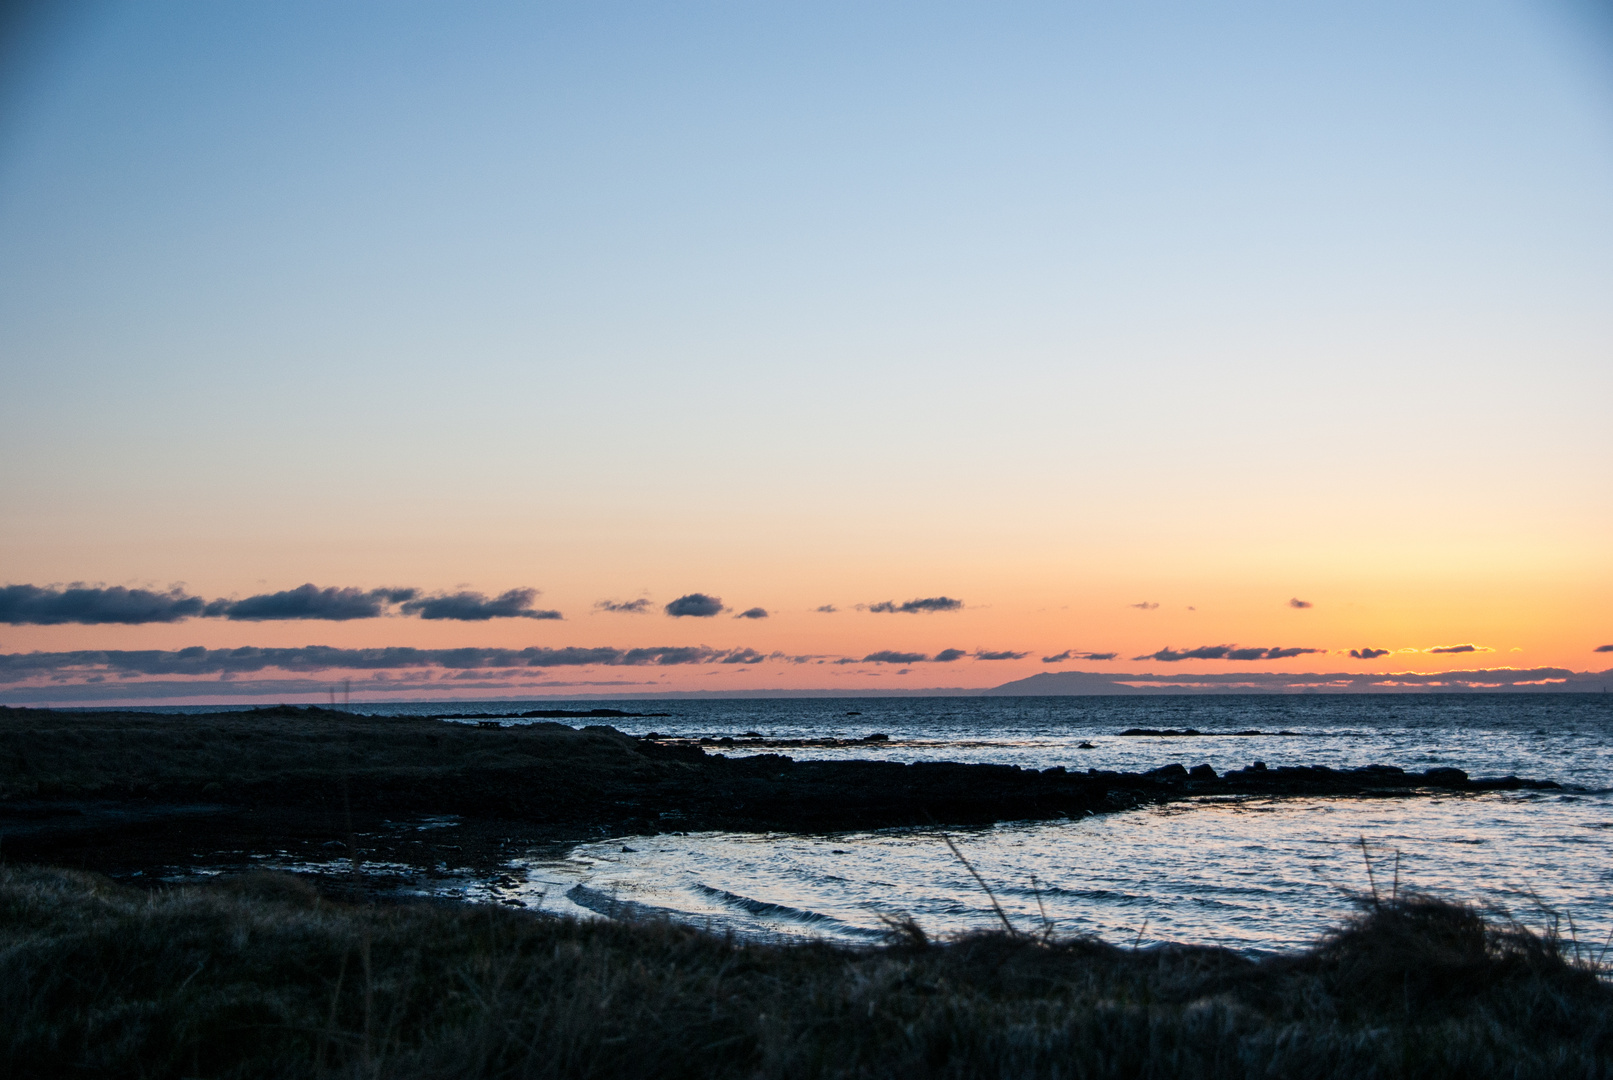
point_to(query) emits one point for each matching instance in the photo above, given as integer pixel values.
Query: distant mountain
(1068, 684)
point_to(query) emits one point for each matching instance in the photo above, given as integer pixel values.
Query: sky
(1129, 331)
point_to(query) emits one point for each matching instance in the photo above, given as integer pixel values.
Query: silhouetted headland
(132, 793)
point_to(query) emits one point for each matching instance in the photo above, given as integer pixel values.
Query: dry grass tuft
(260, 977)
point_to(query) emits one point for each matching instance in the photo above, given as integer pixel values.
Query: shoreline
(142, 795)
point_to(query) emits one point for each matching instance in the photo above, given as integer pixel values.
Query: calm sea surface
(1256, 874)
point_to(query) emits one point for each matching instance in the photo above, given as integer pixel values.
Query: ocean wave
(766, 909)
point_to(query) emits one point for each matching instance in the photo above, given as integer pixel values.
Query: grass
(260, 976)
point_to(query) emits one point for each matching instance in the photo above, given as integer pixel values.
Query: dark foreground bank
(259, 977)
(142, 794)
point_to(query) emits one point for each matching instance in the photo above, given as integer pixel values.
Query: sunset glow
(1135, 333)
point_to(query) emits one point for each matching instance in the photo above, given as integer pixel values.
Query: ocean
(1254, 874)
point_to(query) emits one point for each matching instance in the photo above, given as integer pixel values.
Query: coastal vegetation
(258, 975)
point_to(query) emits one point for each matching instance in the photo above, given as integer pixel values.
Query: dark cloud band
(695, 605)
(32, 605)
(915, 607)
(199, 661)
(310, 602)
(627, 607)
(474, 607)
(1226, 652)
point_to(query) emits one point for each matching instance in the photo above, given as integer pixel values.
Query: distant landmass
(1490, 680)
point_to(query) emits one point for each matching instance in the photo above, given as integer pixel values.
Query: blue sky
(1042, 302)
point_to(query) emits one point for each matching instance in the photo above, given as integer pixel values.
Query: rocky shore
(136, 794)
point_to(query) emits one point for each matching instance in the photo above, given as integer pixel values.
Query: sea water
(1251, 873)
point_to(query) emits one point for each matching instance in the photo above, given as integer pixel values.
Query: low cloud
(752, 613)
(310, 602)
(1603, 648)
(196, 661)
(1146, 606)
(695, 605)
(1296, 602)
(827, 609)
(1004, 654)
(891, 656)
(626, 607)
(1368, 654)
(915, 607)
(1077, 654)
(31, 605)
(474, 607)
(1226, 652)
(1348, 682)
(1460, 649)
(946, 656)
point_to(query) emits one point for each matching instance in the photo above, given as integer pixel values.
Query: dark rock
(1202, 772)
(1167, 773)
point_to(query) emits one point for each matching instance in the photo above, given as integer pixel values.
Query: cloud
(1296, 602)
(1484, 679)
(696, 605)
(474, 607)
(199, 661)
(891, 656)
(1226, 652)
(1146, 606)
(310, 602)
(827, 609)
(29, 604)
(913, 607)
(752, 613)
(1077, 654)
(1603, 648)
(629, 607)
(1368, 654)
(946, 656)
(981, 654)
(1460, 649)
(23, 605)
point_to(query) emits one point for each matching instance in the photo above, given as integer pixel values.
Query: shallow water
(1254, 874)
(1562, 737)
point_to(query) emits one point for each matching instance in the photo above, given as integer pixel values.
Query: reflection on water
(1562, 737)
(1252, 874)
(1255, 874)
